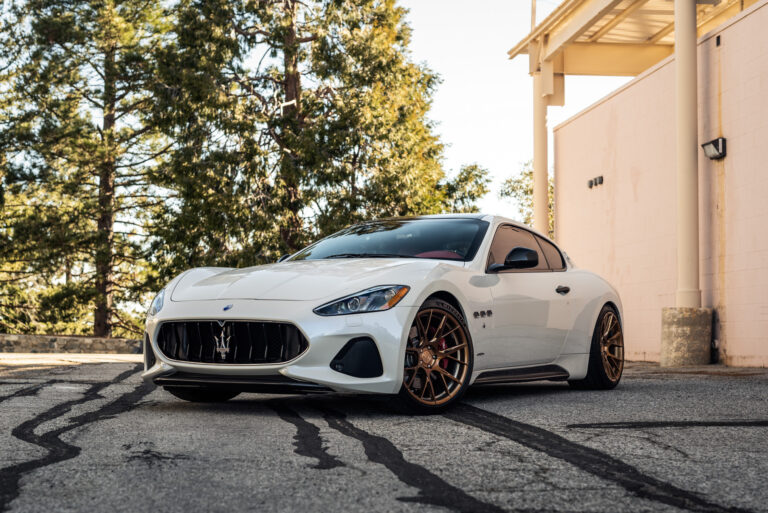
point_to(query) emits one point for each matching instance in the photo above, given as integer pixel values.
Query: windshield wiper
(368, 255)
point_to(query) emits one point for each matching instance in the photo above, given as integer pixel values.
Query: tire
(203, 394)
(438, 360)
(606, 353)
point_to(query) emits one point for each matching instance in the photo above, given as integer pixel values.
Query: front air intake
(235, 342)
(359, 358)
(149, 355)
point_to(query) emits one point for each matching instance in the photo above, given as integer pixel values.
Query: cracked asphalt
(84, 433)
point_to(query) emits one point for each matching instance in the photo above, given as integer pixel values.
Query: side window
(554, 258)
(509, 237)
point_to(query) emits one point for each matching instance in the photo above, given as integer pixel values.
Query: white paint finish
(529, 320)
(631, 237)
(300, 280)
(570, 320)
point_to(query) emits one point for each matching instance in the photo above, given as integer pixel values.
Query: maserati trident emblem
(222, 341)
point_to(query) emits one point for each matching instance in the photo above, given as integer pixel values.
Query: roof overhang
(612, 37)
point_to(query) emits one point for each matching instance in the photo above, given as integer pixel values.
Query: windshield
(443, 239)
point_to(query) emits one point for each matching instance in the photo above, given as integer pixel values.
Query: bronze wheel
(606, 354)
(437, 357)
(611, 346)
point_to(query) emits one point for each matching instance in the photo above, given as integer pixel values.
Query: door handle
(563, 290)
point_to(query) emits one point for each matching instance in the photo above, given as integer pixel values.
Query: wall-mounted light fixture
(715, 149)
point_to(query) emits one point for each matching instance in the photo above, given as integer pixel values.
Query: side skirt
(541, 372)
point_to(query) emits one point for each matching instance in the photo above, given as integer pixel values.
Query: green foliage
(308, 116)
(520, 188)
(75, 154)
(136, 143)
(461, 193)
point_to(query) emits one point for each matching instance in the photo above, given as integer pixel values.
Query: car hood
(300, 280)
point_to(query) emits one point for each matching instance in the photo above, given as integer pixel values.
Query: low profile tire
(606, 354)
(202, 394)
(438, 359)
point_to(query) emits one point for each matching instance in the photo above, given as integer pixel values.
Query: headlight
(157, 303)
(371, 300)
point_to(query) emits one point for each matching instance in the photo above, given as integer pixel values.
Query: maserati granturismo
(420, 308)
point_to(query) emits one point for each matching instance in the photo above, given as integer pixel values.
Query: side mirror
(518, 258)
(284, 257)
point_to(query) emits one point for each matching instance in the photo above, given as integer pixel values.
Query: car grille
(238, 342)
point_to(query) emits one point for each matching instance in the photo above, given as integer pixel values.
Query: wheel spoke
(450, 357)
(427, 382)
(445, 383)
(452, 330)
(452, 349)
(609, 322)
(421, 331)
(447, 374)
(439, 329)
(413, 378)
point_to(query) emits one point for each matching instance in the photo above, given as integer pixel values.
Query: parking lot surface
(84, 433)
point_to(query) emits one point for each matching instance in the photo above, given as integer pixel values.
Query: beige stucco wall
(625, 229)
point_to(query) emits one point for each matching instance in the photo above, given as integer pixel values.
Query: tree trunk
(290, 226)
(102, 317)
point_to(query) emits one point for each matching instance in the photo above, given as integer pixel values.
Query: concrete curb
(67, 344)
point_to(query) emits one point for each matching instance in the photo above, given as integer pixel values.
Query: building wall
(625, 229)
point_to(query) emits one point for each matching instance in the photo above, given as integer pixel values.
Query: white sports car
(418, 307)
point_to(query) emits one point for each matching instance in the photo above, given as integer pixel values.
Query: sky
(483, 107)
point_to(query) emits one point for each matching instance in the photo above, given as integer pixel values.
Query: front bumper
(309, 371)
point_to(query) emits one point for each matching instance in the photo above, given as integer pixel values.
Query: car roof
(485, 217)
(434, 216)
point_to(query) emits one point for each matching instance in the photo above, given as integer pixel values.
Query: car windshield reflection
(436, 238)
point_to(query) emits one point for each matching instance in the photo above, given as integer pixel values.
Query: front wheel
(203, 394)
(438, 358)
(606, 355)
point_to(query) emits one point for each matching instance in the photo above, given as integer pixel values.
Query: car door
(530, 319)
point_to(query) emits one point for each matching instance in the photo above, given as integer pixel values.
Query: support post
(688, 292)
(540, 181)
(686, 335)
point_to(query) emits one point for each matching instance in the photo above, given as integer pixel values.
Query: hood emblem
(222, 341)
(228, 307)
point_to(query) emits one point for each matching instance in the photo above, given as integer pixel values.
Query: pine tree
(136, 143)
(76, 153)
(306, 116)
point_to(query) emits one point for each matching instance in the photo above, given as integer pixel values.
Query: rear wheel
(438, 359)
(203, 394)
(606, 355)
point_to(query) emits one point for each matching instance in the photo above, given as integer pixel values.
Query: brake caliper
(443, 346)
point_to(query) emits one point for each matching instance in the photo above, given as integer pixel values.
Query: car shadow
(349, 404)
(512, 390)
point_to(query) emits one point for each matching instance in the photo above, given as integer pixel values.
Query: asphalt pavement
(84, 433)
